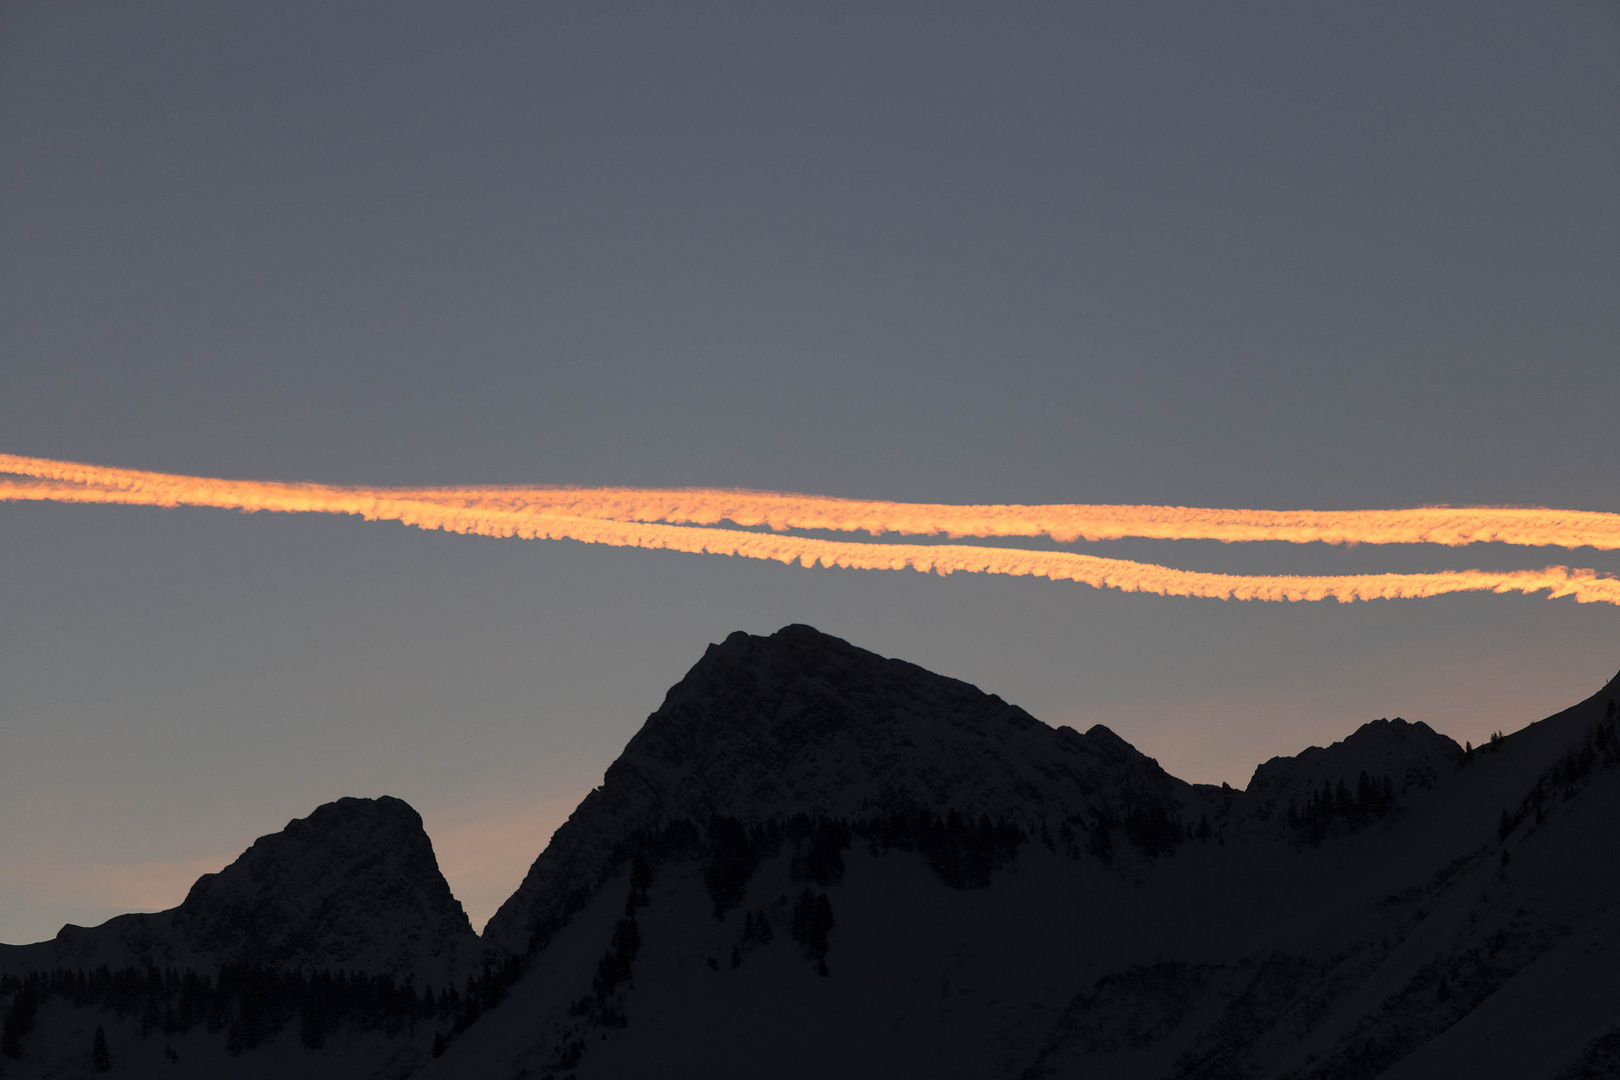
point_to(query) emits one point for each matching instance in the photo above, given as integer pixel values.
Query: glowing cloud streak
(1450, 526)
(460, 511)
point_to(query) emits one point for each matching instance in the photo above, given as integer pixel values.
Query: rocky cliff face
(801, 722)
(353, 886)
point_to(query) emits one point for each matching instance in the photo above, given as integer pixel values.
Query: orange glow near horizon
(681, 520)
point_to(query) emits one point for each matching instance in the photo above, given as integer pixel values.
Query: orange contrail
(68, 482)
(1451, 526)
(1065, 523)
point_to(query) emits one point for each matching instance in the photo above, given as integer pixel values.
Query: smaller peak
(1386, 732)
(1407, 754)
(353, 886)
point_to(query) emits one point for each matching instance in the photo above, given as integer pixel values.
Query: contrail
(69, 482)
(1065, 523)
(1450, 526)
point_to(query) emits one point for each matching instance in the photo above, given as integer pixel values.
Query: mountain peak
(1409, 755)
(355, 885)
(799, 688)
(801, 722)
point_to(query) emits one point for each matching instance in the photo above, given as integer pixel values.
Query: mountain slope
(1347, 911)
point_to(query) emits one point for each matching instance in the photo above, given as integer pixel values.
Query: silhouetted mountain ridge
(1411, 755)
(803, 723)
(813, 860)
(354, 886)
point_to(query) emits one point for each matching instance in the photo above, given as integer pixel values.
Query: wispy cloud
(626, 518)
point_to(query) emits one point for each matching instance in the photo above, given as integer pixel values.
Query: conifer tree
(99, 1056)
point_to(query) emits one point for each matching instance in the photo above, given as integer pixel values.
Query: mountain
(330, 950)
(815, 861)
(354, 886)
(1409, 755)
(801, 723)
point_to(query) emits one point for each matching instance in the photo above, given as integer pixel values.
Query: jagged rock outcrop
(802, 722)
(353, 886)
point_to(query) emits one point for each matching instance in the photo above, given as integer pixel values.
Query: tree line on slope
(1336, 804)
(1598, 749)
(249, 1004)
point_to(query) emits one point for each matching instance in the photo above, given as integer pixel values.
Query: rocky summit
(354, 887)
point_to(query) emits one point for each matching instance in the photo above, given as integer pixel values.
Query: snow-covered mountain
(354, 886)
(1409, 756)
(1345, 917)
(803, 723)
(815, 861)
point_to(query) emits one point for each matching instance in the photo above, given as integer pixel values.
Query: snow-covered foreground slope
(814, 861)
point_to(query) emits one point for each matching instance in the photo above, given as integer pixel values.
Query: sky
(1243, 255)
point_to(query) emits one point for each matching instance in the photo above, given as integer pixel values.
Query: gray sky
(1290, 255)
